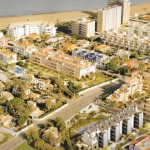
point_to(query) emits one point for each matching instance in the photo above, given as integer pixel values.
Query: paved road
(13, 143)
(67, 112)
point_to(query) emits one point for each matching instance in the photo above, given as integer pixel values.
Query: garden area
(88, 117)
(25, 146)
(85, 122)
(80, 84)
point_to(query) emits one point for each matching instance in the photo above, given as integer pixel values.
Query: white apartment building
(109, 18)
(110, 129)
(125, 4)
(139, 30)
(7, 56)
(62, 62)
(120, 39)
(23, 29)
(84, 27)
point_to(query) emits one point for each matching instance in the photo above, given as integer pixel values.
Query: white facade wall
(26, 29)
(90, 29)
(29, 29)
(132, 118)
(26, 51)
(111, 18)
(140, 31)
(50, 30)
(120, 125)
(16, 32)
(105, 138)
(9, 59)
(86, 71)
(129, 124)
(118, 17)
(1, 34)
(84, 27)
(108, 131)
(88, 139)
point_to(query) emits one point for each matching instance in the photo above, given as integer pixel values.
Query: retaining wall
(99, 85)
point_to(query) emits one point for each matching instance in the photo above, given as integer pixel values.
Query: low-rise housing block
(62, 62)
(24, 47)
(7, 56)
(91, 56)
(84, 27)
(141, 143)
(132, 85)
(23, 29)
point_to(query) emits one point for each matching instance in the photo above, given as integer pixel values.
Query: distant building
(34, 96)
(3, 42)
(16, 90)
(141, 143)
(6, 121)
(62, 62)
(109, 18)
(55, 40)
(7, 95)
(125, 9)
(25, 48)
(102, 48)
(132, 64)
(55, 134)
(144, 106)
(83, 43)
(121, 53)
(33, 36)
(135, 84)
(1, 34)
(140, 30)
(131, 86)
(91, 56)
(7, 56)
(110, 129)
(68, 47)
(43, 84)
(29, 78)
(35, 111)
(118, 39)
(3, 78)
(23, 29)
(85, 28)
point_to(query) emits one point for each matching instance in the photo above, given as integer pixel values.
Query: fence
(99, 85)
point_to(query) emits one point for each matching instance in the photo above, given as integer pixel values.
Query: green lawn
(99, 77)
(85, 122)
(25, 146)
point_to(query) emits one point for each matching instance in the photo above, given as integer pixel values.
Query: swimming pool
(18, 70)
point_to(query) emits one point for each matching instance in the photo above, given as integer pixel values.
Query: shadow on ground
(91, 13)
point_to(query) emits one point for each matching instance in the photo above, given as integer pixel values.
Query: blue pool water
(18, 70)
